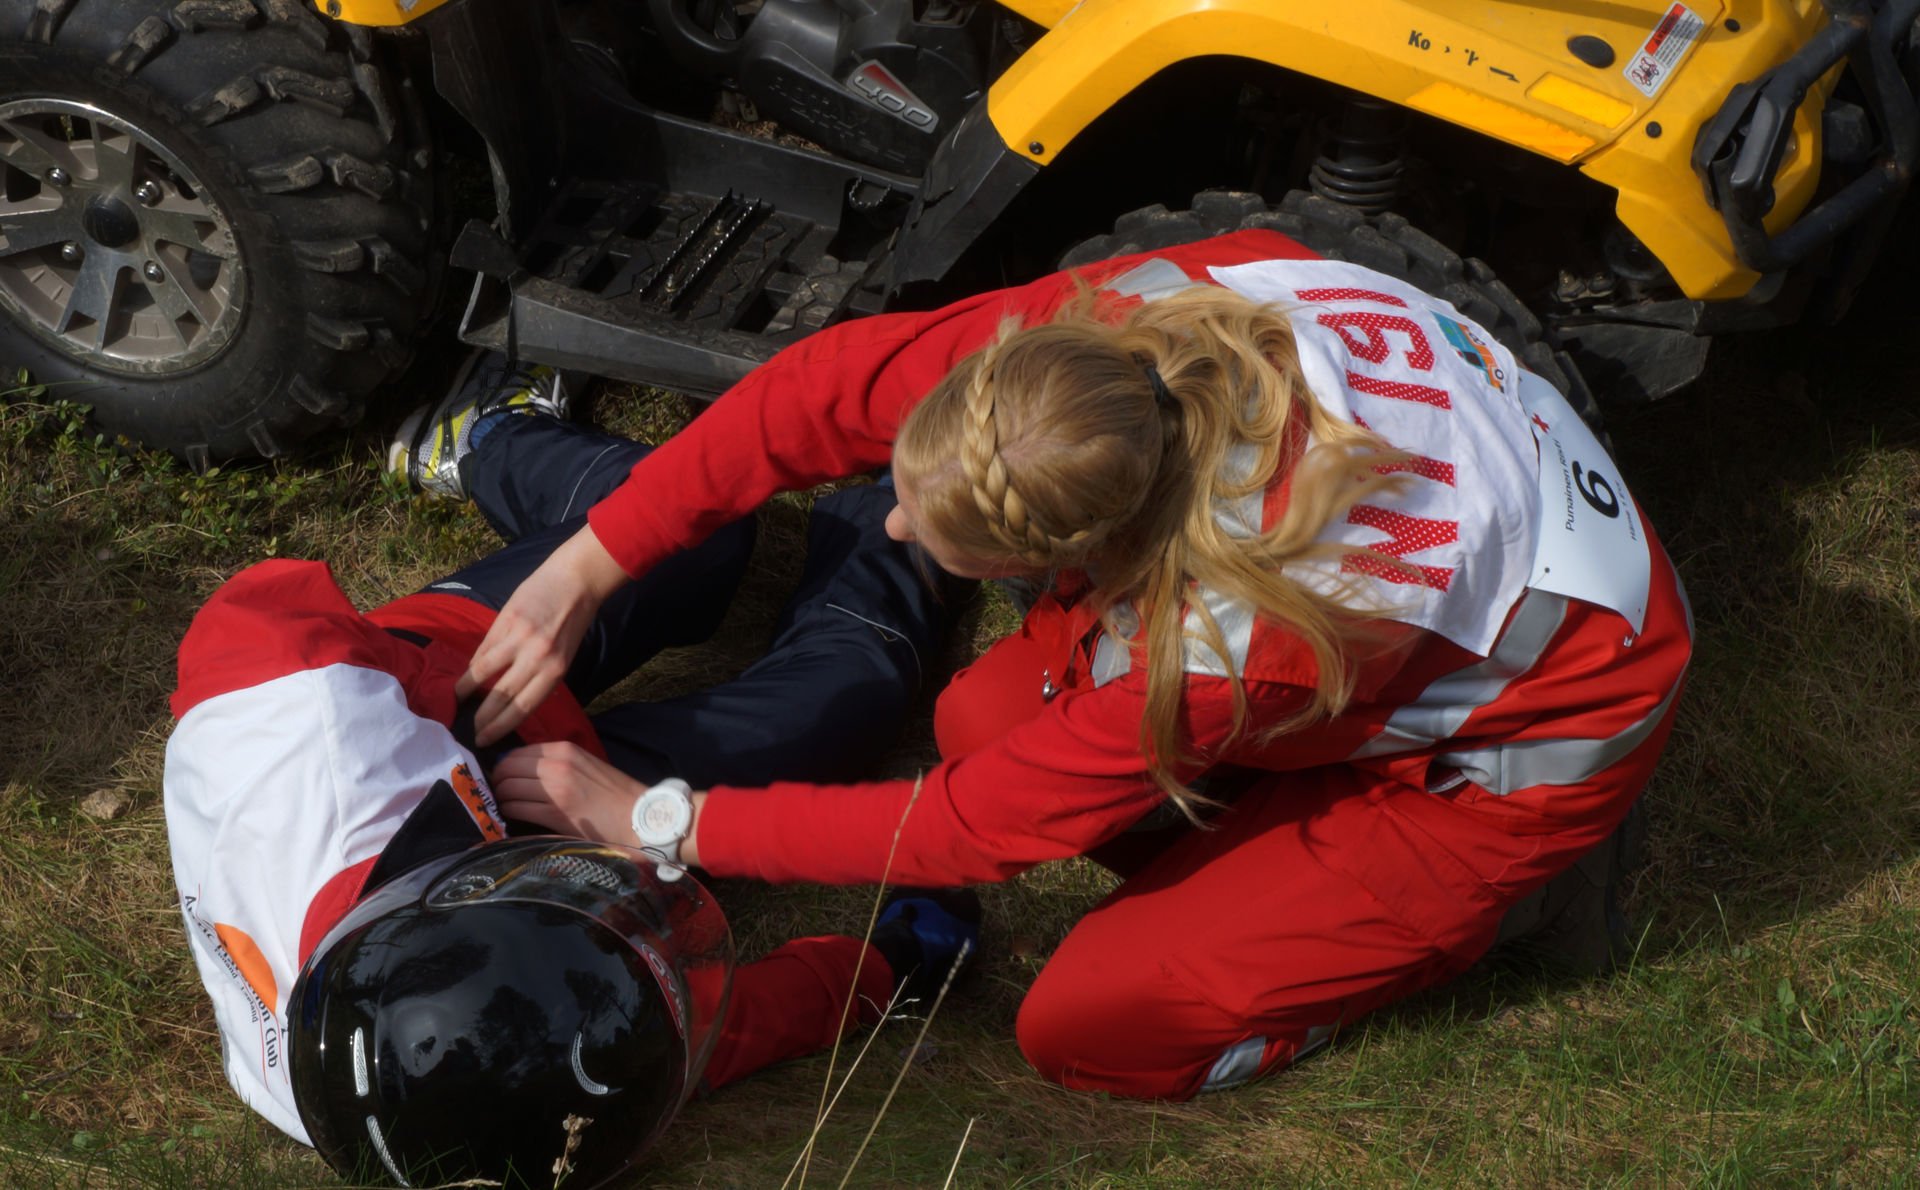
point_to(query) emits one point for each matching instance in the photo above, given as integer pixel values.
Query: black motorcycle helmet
(532, 1011)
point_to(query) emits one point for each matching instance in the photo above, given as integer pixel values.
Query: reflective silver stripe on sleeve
(1686, 605)
(1242, 1060)
(1239, 518)
(1236, 1064)
(1155, 278)
(1234, 619)
(1524, 764)
(1111, 660)
(1445, 705)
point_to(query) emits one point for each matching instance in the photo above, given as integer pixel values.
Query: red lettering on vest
(1420, 465)
(1399, 390)
(1424, 467)
(1375, 348)
(1343, 294)
(1405, 535)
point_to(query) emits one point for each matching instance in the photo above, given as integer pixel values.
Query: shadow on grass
(79, 620)
(1786, 488)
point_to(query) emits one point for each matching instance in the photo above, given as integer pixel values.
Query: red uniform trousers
(794, 1003)
(1317, 897)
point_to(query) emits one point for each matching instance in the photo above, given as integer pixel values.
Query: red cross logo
(1543, 425)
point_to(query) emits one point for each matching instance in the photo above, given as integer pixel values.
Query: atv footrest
(685, 291)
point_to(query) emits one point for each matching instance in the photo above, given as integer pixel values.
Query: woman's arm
(828, 407)
(1056, 786)
(825, 408)
(568, 790)
(1052, 788)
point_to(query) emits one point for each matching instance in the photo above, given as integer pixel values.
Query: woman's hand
(568, 790)
(532, 642)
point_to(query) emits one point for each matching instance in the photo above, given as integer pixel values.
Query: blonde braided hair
(1004, 513)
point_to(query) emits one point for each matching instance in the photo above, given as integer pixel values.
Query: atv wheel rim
(110, 247)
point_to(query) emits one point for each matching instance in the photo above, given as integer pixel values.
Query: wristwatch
(662, 817)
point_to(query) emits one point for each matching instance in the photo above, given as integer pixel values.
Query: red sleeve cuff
(625, 524)
(793, 832)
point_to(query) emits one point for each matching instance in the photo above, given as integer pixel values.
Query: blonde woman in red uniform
(1321, 565)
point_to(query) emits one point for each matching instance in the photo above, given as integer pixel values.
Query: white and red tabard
(1407, 366)
(1477, 516)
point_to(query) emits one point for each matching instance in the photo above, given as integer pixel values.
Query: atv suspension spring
(1360, 161)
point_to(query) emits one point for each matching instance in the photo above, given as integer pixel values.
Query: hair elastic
(1162, 395)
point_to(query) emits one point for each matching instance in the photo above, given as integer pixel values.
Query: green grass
(1765, 1034)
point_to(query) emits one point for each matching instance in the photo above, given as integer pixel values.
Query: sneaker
(925, 934)
(431, 443)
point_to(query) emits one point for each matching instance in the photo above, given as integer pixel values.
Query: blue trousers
(850, 650)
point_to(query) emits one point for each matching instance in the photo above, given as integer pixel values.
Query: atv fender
(1516, 78)
(380, 13)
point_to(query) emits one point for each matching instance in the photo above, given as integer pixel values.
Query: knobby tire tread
(1386, 243)
(302, 126)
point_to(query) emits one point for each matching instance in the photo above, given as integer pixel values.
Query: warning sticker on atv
(1665, 46)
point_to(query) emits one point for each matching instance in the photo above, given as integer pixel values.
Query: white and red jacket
(307, 735)
(1493, 670)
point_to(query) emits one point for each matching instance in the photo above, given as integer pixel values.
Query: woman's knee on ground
(1137, 1037)
(1142, 1051)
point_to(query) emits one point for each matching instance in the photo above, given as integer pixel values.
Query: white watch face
(664, 815)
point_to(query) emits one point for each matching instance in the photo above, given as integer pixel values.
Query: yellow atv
(228, 219)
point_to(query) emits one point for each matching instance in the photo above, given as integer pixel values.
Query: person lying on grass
(426, 1000)
(1320, 566)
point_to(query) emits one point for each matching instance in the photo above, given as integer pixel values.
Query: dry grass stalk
(805, 1160)
(955, 1168)
(959, 961)
(823, 1114)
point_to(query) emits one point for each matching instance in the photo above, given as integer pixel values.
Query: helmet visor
(677, 927)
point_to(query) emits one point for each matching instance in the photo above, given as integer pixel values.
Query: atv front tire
(211, 230)
(1386, 243)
